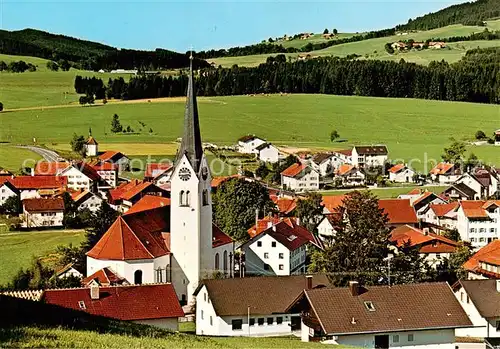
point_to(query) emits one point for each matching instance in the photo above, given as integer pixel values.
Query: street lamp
(388, 259)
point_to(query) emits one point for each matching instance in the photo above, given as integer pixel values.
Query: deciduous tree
(78, 144)
(455, 152)
(310, 211)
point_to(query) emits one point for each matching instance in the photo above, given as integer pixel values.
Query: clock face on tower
(204, 172)
(184, 174)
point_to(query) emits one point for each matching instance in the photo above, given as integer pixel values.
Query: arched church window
(182, 196)
(216, 261)
(224, 262)
(138, 277)
(188, 198)
(205, 197)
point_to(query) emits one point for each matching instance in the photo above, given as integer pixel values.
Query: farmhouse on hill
(42, 213)
(248, 144)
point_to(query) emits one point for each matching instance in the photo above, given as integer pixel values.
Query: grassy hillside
(411, 128)
(374, 48)
(315, 39)
(17, 249)
(12, 158)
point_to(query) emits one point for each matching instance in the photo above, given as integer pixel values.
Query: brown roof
(399, 211)
(332, 202)
(489, 254)
(397, 308)
(321, 157)
(372, 150)
(442, 168)
(440, 210)
(45, 168)
(397, 168)
(43, 205)
(484, 296)
(232, 296)
(474, 209)
(91, 141)
(104, 277)
(38, 182)
(294, 170)
(111, 155)
(148, 202)
(344, 169)
(428, 243)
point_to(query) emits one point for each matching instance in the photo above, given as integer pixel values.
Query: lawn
(387, 193)
(12, 158)
(17, 249)
(35, 337)
(416, 135)
(374, 48)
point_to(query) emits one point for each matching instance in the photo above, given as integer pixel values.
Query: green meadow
(12, 158)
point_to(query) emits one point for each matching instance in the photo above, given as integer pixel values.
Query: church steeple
(191, 139)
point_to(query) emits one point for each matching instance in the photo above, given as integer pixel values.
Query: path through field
(47, 154)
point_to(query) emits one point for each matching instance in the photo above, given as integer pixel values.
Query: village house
(445, 173)
(478, 222)
(497, 137)
(483, 182)
(369, 156)
(268, 153)
(80, 175)
(344, 155)
(284, 205)
(350, 176)
(300, 177)
(484, 264)
(326, 163)
(399, 46)
(432, 247)
(91, 146)
(42, 213)
(123, 197)
(437, 44)
(154, 305)
(248, 144)
(401, 173)
(85, 199)
(7, 190)
(158, 173)
(38, 186)
(117, 158)
(108, 173)
(148, 202)
(68, 271)
(251, 306)
(479, 298)
(441, 216)
(280, 249)
(460, 191)
(420, 202)
(381, 316)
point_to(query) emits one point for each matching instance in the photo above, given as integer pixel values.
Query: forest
(469, 13)
(476, 78)
(88, 55)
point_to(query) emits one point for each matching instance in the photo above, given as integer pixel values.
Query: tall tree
(235, 204)
(310, 211)
(78, 144)
(455, 152)
(116, 126)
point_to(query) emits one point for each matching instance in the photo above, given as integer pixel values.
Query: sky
(202, 24)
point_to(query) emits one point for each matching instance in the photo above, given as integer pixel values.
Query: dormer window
(81, 304)
(369, 306)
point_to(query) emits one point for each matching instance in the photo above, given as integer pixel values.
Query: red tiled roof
(262, 224)
(109, 155)
(43, 205)
(474, 208)
(104, 277)
(136, 190)
(88, 171)
(397, 168)
(294, 170)
(137, 302)
(148, 202)
(156, 169)
(415, 191)
(332, 203)
(79, 194)
(430, 243)
(344, 169)
(285, 205)
(105, 166)
(442, 168)
(45, 168)
(91, 141)
(440, 210)
(219, 180)
(488, 254)
(399, 211)
(219, 238)
(39, 182)
(347, 152)
(128, 191)
(290, 234)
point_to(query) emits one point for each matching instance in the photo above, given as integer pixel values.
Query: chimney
(309, 282)
(94, 291)
(297, 221)
(498, 285)
(354, 287)
(426, 231)
(32, 170)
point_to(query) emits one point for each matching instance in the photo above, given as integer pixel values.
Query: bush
(480, 135)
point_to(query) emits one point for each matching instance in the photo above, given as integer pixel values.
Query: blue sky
(203, 24)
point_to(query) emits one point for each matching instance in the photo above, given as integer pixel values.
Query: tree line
(474, 79)
(484, 35)
(17, 67)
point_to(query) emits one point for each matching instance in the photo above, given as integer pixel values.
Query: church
(175, 243)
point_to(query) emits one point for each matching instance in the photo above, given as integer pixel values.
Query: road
(48, 155)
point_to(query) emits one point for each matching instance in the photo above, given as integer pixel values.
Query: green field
(17, 249)
(374, 48)
(315, 39)
(419, 132)
(12, 158)
(387, 193)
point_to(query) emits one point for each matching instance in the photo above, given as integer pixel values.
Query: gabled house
(251, 306)
(461, 191)
(278, 250)
(422, 201)
(148, 202)
(38, 186)
(117, 158)
(285, 206)
(108, 173)
(80, 175)
(68, 271)
(91, 146)
(478, 221)
(248, 144)
(158, 173)
(369, 156)
(497, 137)
(442, 215)
(331, 203)
(480, 299)
(445, 173)
(50, 168)
(123, 197)
(401, 173)
(86, 200)
(7, 190)
(42, 213)
(414, 315)
(155, 305)
(434, 248)
(344, 155)
(484, 183)
(104, 277)
(350, 175)
(267, 152)
(300, 177)
(327, 163)
(485, 263)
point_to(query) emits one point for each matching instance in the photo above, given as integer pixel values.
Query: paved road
(48, 155)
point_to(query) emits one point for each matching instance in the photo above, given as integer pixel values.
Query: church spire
(191, 139)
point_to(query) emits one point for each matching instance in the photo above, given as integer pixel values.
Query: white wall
(480, 329)
(93, 203)
(165, 323)
(76, 179)
(5, 193)
(255, 256)
(109, 177)
(249, 147)
(229, 249)
(402, 176)
(91, 149)
(309, 181)
(29, 194)
(325, 228)
(42, 219)
(478, 232)
(269, 154)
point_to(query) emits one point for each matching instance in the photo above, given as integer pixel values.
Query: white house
(381, 316)
(158, 173)
(445, 173)
(268, 153)
(326, 227)
(460, 191)
(108, 173)
(401, 173)
(442, 215)
(251, 306)
(485, 263)
(350, 176)
(278, 250)
(42, 213)
(248, 144)
(479, 298)
(369, 156)
(68, 271)
(86, 200)
(478, 221)
(300, 177)
(421, 202)
(154, 305)
(117, 158)
(38, 186)
(6, 191)
(326, 163)
(91, 146)
(80, 175)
